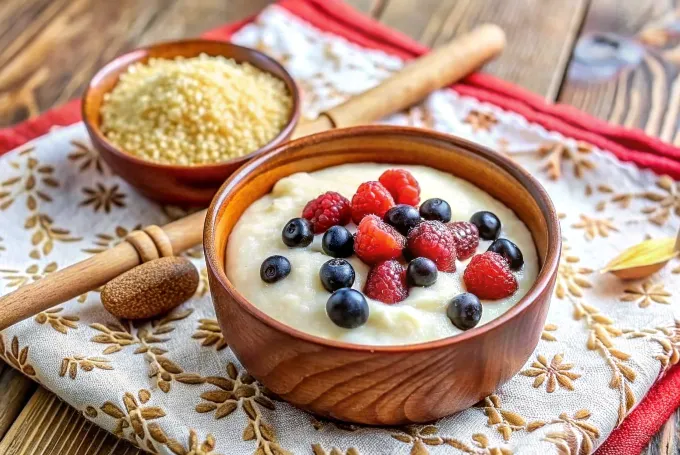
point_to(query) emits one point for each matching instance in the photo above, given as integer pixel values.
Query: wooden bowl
(174, 184)
(383, 385)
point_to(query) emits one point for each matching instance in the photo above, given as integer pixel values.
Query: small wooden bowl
(174, 184)
(383, 385)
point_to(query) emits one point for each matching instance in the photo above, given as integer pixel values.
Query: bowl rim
(546, 274)
(135, 55)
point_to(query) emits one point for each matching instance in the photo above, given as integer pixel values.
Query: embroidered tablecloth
(173, 386)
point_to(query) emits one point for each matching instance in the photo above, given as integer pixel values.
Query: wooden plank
(645, 93)
(667, 440)
(47, 425)
(51, 59)
(15, 390)
(538, 68)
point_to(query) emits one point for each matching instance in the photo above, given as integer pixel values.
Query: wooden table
(50, 48)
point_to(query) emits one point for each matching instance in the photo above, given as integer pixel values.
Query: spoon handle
(140, 246)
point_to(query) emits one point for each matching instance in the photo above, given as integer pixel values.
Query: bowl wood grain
(383, 385)
(166, 183)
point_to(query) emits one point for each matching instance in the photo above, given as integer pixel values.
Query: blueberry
(421, 272)
(509, 251)
(336, 274)
(488, 225)
(274, 268)
(403, 218)
(436, 209)
(347, 308)
(297, 233)
(464, 311)
(338, 242)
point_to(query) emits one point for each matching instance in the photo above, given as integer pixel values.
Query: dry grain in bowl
(192, 111)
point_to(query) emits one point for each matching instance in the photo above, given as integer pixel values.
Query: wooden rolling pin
(414, 82)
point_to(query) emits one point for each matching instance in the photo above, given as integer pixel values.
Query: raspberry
(488, 276)
(402, 186)
(328, 209)
(433, 240)
(371, 198)
(466, 237)
(387, 282)
(377, 241)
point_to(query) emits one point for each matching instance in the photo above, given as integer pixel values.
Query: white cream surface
(299, 300)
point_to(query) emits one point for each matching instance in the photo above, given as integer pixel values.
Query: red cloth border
(628, 145)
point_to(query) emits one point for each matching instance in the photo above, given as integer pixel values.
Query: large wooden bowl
(174, 184)
(383, 385)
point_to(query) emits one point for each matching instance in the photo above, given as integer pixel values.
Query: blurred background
(615, 59)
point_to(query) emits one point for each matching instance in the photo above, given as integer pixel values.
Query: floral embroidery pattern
(661, 205)
(570, 277)
(15, 356)
(239, 388)
(131, 421)
(667, 337)
(105, 241)
(71, 364)
(16, 279)
(665, 204)
(547, 334)
(419, 437)
(480, 121)
(480, 446)
(209, 331)
(33, 181)
(45, 234)
(86, 157)
(556, 373)
(317, 449)
(101, 197)
(136, 423)
(147, 338)
(577, 435)
(60, 323)
(600, 337)
(506, 422)
(556, 153)
(594, 227)
(646, 293)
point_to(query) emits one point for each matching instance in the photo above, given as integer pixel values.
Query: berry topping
(488, 276)
(436, 209)
(488, 225)
(347, 308)
(297, 233)
(403, 217)
(509, 251)
(464, 310)
(274, 268)
(377, 241)
(329, 209)
(371, 198)
(402, 186)
(338, 242)
(467, 238)
(336, 274)
(433, 240)
(386, 282)
(421, 272)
